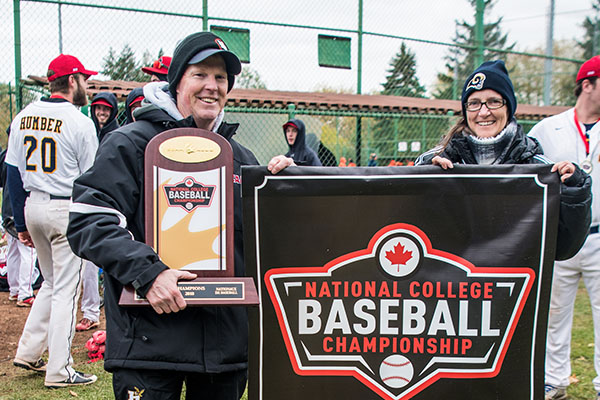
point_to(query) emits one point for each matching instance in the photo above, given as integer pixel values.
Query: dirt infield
(12, 320)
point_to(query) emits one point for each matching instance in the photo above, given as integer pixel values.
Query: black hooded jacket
(112, 122)
(106, 226)
(134, 94)
(575, 213)
(299, 151)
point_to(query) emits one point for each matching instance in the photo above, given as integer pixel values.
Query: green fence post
(205, 15)
(479, 33)
(359, 81)
(291, 111)
(423, 137)
(17, 33)
(10, 104)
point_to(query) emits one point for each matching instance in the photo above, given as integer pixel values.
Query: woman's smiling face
(484, 122)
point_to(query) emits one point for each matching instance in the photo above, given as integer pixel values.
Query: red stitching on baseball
(396, 365)
(396, 377)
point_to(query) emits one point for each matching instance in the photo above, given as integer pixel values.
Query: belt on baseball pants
(594, 229)
(53, 197)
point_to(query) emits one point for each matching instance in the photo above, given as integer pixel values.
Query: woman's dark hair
(460, 126)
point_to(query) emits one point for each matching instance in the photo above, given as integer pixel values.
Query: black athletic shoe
(38, 366)
(78, 379)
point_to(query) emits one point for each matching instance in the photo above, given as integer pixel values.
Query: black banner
(399, 283)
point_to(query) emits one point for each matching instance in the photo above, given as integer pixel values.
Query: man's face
(154, 78)
(79, 95)
(202, 91)
(133, 107)
(102, 113)
(291, 133)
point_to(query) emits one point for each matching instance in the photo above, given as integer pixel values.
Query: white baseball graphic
(396, 371)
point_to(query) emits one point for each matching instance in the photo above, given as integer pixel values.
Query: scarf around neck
(488, 150)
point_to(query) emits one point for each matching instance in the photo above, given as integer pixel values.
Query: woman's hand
(442, 162)
(565, 169)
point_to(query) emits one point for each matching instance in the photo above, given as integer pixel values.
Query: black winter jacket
(575, 213)
(106, 226)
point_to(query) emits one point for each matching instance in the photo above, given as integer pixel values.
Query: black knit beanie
(190, 47)
(491, 75)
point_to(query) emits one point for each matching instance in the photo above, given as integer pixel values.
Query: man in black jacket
(154, 349)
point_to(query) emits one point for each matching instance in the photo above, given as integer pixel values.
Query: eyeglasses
(159, 64)
(491, 104)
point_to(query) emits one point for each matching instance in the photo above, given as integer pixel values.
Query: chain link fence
(343, 46)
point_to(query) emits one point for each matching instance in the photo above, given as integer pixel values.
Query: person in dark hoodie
(133, 102)
(489, 134)
(295, 136)
(104, 110)
(155, 349)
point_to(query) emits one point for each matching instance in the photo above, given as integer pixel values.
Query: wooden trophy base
(219, 291)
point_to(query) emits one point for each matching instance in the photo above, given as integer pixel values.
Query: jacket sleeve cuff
(144, 281)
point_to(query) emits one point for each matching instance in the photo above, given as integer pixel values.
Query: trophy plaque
(189, 216)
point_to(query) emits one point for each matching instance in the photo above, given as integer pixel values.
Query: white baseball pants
(90, 298)
(22, 272)
(51, 321)
(585, 265)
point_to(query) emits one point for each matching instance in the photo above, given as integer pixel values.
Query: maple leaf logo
(398, 256)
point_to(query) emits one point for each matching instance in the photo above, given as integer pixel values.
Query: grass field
(18, 384)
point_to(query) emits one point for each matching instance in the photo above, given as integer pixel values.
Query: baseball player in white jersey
(51, 144)
(574, 135)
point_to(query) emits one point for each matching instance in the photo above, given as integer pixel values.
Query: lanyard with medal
(586, 165)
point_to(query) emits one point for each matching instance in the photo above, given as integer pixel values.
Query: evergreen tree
(401, 80)
(591, 38)
(402, 75)
(460, 62)
(124, 66)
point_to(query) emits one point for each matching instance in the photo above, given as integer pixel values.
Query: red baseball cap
(65, 64)
(101, 102)
(160, 66)
(289, 124)
(139, 98)
(589, 68)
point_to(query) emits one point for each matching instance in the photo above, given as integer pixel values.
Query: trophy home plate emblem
(398, 315)
(189, 194)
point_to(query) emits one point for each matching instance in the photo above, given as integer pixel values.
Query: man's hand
(279, 163)
(164, 296)
(442, 162)
(565, 169)
(25, 238)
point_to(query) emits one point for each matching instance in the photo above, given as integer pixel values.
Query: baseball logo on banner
(430, 315)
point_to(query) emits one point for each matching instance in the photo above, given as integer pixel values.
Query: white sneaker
(555, 393)
(78, 378)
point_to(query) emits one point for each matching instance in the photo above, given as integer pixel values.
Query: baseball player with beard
(51, 144)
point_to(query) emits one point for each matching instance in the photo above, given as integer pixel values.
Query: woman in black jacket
(487, 133)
